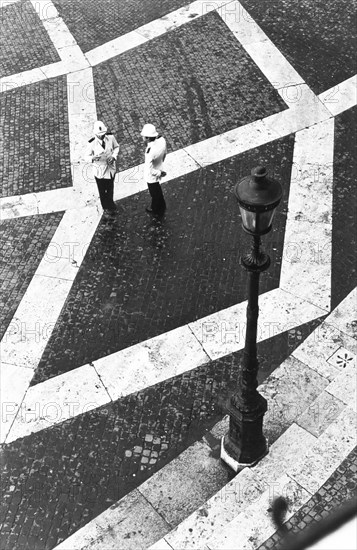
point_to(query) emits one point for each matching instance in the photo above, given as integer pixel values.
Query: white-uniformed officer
(103, 151)
(155, 154)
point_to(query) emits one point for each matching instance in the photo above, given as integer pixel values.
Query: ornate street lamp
(258, 197)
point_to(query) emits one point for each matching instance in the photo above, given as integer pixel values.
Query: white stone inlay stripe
(57, 400)
(167, 355)
(152, 30)
(341, 97)
(289, 451)
(249, 529)
(178, 163)
(64, 42)
(264, 53)
(306, 264)
(31, 327)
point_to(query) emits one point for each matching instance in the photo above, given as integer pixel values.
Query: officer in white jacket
(155, 154)
(103, 152)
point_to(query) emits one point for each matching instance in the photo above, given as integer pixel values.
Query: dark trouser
(158, 203)
(106, 191)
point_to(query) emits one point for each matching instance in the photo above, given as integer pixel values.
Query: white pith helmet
(149, 131)
(99, 128)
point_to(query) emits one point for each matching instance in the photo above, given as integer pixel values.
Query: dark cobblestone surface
(200, 69)
(318, 38)
(34, 145)
(338, 489)
(143, 277)
(19, 51)
(57, 480)
(344, 235)
(93, 24)
(23, 243)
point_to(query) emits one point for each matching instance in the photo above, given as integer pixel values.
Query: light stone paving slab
(231, 143)
(285, 452)
(306, 264)
(53, 70)
(341, 358)
(57, 200)
(299, 115)
(243, 26)
(323, 457)
(35, 318)
(71, 238)
(14, 383)
(341, 97)
(114, 47)
(195, 473)
(310, 197)
(289, 390)
(254, 525)
(57, 400)
(320, 345)
(344, 385)
(60, 268)
(21, 79)
(344, 317)
(58, 32)
(150, 362)
(217, 512)
(319, 415)
(82, 113)
(132, 521)
(73, 59)
(223, 332)
(18, 206)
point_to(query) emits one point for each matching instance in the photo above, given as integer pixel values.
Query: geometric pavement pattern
(316, 124)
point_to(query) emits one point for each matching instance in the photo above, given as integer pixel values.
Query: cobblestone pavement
(201, 69)
(35, 132)
(339, 489)
(69, 474)
(23, 244)
(91, 25)
(316, 37)
(142, 277)
(19, 51)
(344, 212)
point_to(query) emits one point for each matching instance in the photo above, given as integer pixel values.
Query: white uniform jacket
(154, 157)
(103, 167)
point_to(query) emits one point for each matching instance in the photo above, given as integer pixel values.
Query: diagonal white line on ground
(155, 360)
(73, 59)
(226, 146)
(178, 163)
(306, 264)
(179, 492)
(35, 318)
(341, 97)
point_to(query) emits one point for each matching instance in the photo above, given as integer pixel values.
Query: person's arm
(89, 151)
(115, 152)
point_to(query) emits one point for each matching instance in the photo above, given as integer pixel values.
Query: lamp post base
(245, 444)
(230, 458)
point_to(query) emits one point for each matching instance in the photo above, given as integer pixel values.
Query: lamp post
(258, 197)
